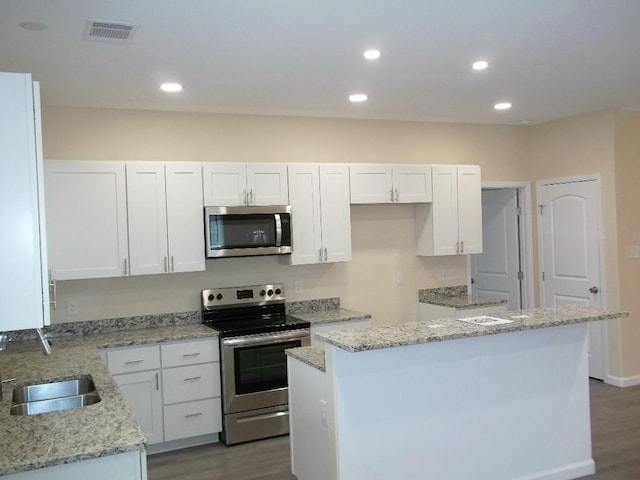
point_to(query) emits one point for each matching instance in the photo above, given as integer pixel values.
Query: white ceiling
(549, 58)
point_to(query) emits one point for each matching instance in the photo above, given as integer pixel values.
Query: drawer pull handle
(195, 354)
(131, 362)
(189, 379)
(193, 415)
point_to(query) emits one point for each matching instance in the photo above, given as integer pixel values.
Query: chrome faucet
(44, 343)
(4, 340)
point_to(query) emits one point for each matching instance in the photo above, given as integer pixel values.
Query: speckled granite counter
(334, 315)
(313, 356)
(106, 428)
(456, 297)
(413, 333)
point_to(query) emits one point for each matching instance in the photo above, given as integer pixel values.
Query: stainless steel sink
(54, 396)
(46, 391)
(55, 404)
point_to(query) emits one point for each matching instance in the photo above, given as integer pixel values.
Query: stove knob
(211, 297)
(278, 291)
(262, 293)
(270, 292)
(219, 296)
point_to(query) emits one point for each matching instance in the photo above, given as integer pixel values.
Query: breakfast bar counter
(500, 397)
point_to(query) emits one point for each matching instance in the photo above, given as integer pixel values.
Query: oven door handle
(270, 339)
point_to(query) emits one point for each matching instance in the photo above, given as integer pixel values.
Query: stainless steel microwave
(246, 231)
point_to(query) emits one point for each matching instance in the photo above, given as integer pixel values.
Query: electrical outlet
(399, 278)
(72, 308)
(297, 286)
(323, 413)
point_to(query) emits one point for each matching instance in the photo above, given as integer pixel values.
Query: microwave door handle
(278, 230)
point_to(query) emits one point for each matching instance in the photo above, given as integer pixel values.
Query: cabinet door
(371, 183)
(445, 210)
(224, 184)
(335, 212)
(147, 216)
(304, 195)
(86, 219)
(143, 394)
(267, 184)
(23, 287)
(470, 209)
(412, 184)
(185, 217)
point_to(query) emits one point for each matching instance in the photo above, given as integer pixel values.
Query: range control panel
(216, 298)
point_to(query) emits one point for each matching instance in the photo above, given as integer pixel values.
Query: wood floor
(615, 424)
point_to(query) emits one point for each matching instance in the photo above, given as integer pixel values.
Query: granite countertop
(106, 428)
(456, 297)
(412, 333)
(313, 355)
(332, 315)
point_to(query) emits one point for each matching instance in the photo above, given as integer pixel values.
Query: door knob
(594, 290)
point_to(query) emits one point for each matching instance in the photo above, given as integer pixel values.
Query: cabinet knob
(594, 290)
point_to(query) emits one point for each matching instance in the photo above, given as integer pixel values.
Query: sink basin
(55, 404)
(54, 396)
(46, 391)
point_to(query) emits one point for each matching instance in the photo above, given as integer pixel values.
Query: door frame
(526, 238)
(601, 253)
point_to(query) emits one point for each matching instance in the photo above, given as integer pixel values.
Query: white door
(185, 225)
(569, 223)
(445, 210)
(412, 184)
(147, 218)
(469, 209)
(224, 184)
(336, 213)
(143, 395)
(267, 184)
(495, 270)
(304, 194)
(86, 219)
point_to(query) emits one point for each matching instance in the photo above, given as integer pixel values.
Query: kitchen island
(103, 439)
(448, 399)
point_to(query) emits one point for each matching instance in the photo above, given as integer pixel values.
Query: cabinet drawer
(192, 418)
(194, 382)
(133, 359)
(188, 353)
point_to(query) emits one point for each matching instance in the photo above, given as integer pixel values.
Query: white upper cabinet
(164, 207)
(379, 183)
(86, 219)
(234, 184)
(452, 224)
(321, 215)
(24, 293)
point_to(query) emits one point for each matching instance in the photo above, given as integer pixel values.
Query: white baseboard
(179, 444)
(622, 381)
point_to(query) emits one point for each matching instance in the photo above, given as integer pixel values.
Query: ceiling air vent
(110, 32)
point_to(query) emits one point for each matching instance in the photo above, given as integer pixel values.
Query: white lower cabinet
(123, 466)
(178, 397)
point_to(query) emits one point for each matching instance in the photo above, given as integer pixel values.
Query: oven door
(254, 369)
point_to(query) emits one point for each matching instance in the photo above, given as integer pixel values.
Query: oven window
(262, 367)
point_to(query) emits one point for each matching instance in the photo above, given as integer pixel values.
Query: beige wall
(627, 170)
(584, 145)
(382, 235)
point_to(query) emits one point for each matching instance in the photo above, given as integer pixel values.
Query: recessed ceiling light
(372, 54)
(480, 65)
(502, 106)
(357, 97)
(33, 26)
(171, 87)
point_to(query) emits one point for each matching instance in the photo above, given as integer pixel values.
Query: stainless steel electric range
(254, 332)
